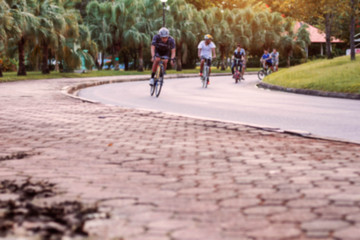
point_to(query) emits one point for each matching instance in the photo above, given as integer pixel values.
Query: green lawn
(12, 76)
(336, 75)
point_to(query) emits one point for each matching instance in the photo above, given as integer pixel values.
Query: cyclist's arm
(213, 52)
(173, 52)
(199, 53)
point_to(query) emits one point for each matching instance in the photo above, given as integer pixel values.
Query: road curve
(243, 103)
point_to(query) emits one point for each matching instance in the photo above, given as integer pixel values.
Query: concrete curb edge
(309, 92)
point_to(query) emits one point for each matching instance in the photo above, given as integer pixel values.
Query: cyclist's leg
(153, 70)
(155, 64)
(202, 65)
(232, 67)
(165, 62)
(209, 64)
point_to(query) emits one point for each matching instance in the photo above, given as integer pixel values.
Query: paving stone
(350, 233)
(160, 176)
(278, 232)
(264, 210)
(324, 225)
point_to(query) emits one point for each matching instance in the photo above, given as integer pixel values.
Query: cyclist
(206, 50)
(266, 60)
(238, 59)
(275, 60)
(161, 46)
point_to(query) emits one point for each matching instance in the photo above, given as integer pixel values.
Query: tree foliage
(69, 31)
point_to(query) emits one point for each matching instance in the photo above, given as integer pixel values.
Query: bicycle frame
(159, 79)
(237, 74)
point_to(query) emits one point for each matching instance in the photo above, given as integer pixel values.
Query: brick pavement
(166, 177)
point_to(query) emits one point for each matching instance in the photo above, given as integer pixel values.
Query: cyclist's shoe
(208, 82)
(200, 74)
(151, 82)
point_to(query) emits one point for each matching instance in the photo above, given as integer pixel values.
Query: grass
(12, 76)
(335, 75)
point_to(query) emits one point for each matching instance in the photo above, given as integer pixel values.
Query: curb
(71, 91)
(309, 92)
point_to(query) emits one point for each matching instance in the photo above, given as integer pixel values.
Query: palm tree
(146, 26)
(77, 43)
(8, 29)
(24, 19)
(52, 23)
(182, 29)
(98, 20)
(220, 30)
(294, 41)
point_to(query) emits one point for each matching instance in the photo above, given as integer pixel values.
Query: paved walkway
(164, 177)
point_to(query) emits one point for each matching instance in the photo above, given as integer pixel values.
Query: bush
(9, 64)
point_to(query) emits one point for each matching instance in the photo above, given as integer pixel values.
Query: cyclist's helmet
(164, 32)
(208, 36)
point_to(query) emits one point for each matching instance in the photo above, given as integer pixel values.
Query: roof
(316, 35)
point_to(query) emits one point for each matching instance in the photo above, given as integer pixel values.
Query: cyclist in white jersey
(206, 50)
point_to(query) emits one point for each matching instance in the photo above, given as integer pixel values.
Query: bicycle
(264, 72)
(206, 73)
(237, 75)
(159, 79)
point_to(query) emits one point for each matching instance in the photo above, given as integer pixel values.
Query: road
(243, 103)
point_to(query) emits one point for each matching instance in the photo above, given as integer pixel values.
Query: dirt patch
(14, 156)
(19, 210)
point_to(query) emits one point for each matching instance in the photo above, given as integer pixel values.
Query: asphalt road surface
(243, 103)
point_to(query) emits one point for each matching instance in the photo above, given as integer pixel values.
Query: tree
(182, 30)
(353, 4)
(320, 12)
(98, 19)
(52, 24)
(24, 19)
(294, 41)
(8, 29)
(139, 35)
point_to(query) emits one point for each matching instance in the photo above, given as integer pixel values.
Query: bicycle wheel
(158, 86)
(152, 88)
(160, 81)
(261, 75)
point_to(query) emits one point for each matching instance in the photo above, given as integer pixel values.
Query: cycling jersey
(206, 49)
(161, 48)
(239, 54)
(275, 57)
(267, 56)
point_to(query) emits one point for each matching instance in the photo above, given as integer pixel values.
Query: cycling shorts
(269, 64)
(162, 54)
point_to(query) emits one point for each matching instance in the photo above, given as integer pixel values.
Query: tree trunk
(222, 57)
(179, 56)
(135, 61)
(45, 57)
(1, 74)
(289, 58)
(126, 61)
(102, 60)
(21, 49)
(57, 69)
(141, 59)
(352, 31)
(328, 23)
